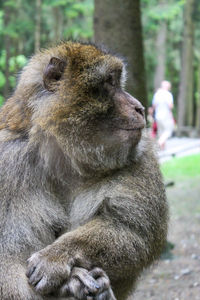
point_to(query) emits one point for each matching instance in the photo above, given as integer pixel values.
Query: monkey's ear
(53, 73)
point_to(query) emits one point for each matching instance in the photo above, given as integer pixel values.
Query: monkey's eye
(100, 93)
(96, 92)
(111, 79)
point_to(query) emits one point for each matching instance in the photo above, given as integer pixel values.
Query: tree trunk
(58, 21)
(198, 100)
(117, 24)
(185, 97)
(161, 55)
(38, 25)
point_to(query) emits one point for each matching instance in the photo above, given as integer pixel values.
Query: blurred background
(168, 40)
(159, 40)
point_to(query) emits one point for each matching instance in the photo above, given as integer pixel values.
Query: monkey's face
(96, 123)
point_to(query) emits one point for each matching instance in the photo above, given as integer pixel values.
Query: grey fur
(87, 189)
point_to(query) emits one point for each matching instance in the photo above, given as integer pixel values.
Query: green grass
(184, 196)
(181, 167)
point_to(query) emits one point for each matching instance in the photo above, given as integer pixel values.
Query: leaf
(21, 60)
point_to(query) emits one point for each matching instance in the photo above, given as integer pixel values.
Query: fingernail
(96, 286)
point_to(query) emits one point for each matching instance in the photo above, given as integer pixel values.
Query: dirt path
(179, 147)
(178, 278)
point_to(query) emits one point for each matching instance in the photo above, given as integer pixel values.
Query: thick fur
(75, 174)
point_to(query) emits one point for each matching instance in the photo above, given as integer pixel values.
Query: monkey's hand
(48, 270)
(84, 284)
(49, 274)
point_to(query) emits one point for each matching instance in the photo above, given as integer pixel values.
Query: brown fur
(79, 181)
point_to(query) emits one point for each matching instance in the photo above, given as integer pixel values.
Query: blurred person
(163, 104)
(152, 122)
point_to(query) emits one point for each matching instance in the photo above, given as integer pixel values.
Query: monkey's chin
(129, 134)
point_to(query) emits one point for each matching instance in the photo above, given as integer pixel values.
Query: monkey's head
(77, 97)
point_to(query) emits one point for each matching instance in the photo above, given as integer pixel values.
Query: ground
(178, 276)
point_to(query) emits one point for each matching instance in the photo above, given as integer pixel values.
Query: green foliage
(15, 62)
(155, 12)
(75, 18)
(10, 3)
(165, 10)
(80, 24)
(1, 21)
(76, 15)
(57, 2)
(1, 100)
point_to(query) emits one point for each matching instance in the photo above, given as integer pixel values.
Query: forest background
(170, 36)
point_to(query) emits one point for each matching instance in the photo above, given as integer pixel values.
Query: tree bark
(185, 97)
(38, 25)
(198, 100)
(117, 24)
(161, 55)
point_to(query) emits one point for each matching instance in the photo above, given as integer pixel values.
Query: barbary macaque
(83, 208)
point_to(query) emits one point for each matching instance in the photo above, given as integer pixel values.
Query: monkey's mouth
(131, 129)
(130, 126)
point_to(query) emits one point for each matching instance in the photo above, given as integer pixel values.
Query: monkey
(82, 202)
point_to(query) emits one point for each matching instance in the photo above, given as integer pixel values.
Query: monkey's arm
(96, 244)
(125, 236)
(86, 247)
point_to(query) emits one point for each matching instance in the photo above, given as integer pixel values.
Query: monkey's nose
(140, 110)
(136, 104)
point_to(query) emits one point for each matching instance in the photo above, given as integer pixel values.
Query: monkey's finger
(106, 295)
(73, 288)
(34, 273)
(101, 278)
(104, 283)
(30, 270)
(71, 263)
(111, 294)
(87, 280)
(35, 278)
(105, 291)
(41, 285)
(98, 272)
(32, 265)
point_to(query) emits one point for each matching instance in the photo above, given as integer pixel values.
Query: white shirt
(163, 101)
